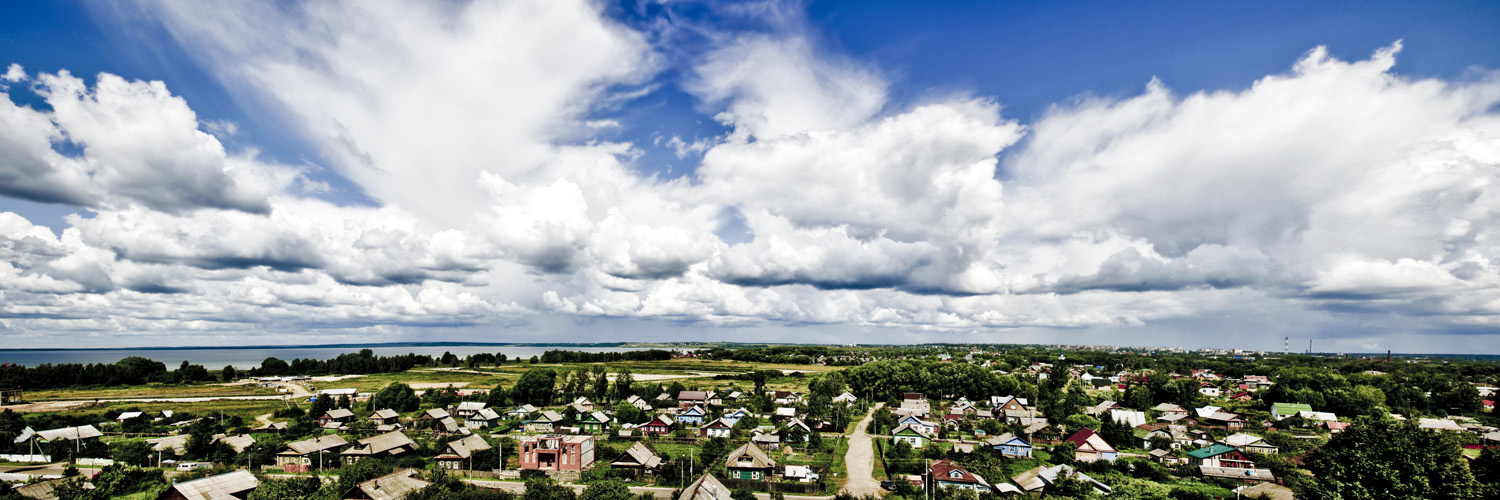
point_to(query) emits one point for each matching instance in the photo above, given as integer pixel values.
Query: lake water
(245, 358)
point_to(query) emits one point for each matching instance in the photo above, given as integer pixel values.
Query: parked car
(888, 485)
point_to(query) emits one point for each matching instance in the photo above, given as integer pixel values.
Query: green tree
(134, 452)
(546, 489)
(623, 384)
(537, 387)
(606, 490)
(396, 396)
(228, 374)
(741, 495)
(300, 488)
(1382, 458)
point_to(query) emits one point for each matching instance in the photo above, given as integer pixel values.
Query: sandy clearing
(334, 378)
(437, 385)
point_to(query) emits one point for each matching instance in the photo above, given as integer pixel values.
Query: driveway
(861, 460)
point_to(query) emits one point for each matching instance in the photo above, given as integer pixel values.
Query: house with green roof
(1220, 455)
(1284, 410)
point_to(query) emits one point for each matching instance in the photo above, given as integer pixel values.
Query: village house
(520, 412)
(1223, 419)
(846, 399)
(594, 422)
(640, 404)
(1170, 409)
(457, 453)
(914, 436)
(1035, 481)
(1208, 389)
(946, 474)
(693, 415)
(1011, 445)
(583, 405)
(800, 427)
(660, 426)
(637, 458)
(786, 398)
(394, 486)
(1252, 444)
(766, 440)
(749, 463)
(385, 417)
(1220, 455)
(390, 444)
(467, 409)
(1090, 446)
(302, 456)
(557, 452)
(734, 417)
(237, 484)
(1002, 403)
(482, 419)
(434, 414)
(544, 423)
(705, 488)
(335, 418)
(928, 428)
(689, 399)
(718, 428)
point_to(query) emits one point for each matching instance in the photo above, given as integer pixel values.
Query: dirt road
(861, 459)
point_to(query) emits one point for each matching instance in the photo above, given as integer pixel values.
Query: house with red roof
(1089, 446)
(947, 474)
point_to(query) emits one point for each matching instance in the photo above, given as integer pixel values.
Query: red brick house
(557, 452)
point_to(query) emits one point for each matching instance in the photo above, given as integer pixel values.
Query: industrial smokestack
(1388, 355)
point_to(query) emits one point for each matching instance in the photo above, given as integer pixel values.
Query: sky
(1181, 174)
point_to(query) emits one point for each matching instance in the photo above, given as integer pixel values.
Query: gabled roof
(318, 443)
(238, 443)
(1086, 437)
(523, 410)
(393, 486)
(381, 443)
(449, 424)
(128, 415)
(908, 429)
(471, 406)
(47, 490)
(70, 433)
(435, 414)
(485, 414)
(176, 443)
(1239, 439)
(1031, 480)
(1128, 417)
(718, 423)
(1166, 407)
(220, 487)
(692, 396)
(660, 419)
(1006, 438)
(549, 416)
(468, 445)
(339, 413)
(693, 410)
(1055, 473)
(748, 456)
(946, 470)
(638, 455)
(384, 414)
(705, 488)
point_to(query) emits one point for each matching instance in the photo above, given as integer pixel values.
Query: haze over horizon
(254, 173)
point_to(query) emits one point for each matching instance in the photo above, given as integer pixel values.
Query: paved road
(660, 493)
(860, 461)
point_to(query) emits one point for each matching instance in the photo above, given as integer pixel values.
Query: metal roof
(393, 486)
(318, 443)
(70, 433)
(220, 487)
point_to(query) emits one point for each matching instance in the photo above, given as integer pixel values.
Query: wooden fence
(770, 486)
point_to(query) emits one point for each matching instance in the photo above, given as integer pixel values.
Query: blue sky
(1086, 172)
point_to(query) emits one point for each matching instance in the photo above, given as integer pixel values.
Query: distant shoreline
(343, 346)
